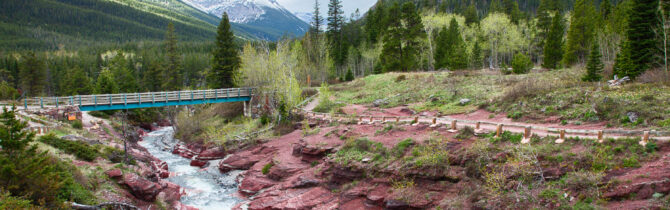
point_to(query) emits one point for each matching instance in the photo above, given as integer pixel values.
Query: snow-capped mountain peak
(239, 11)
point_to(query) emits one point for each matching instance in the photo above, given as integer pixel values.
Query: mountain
(304, 16)
(256, 14)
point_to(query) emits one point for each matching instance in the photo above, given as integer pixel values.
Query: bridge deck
(143, 100)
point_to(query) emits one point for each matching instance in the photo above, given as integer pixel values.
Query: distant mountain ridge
(255, 13)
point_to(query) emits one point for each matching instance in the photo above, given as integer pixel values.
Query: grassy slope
(526, 97)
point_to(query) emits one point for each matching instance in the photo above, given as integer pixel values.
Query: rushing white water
(205, 188)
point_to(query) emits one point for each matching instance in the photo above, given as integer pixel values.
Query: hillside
(50, 23)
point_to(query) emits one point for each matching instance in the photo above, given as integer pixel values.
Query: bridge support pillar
(246, 114)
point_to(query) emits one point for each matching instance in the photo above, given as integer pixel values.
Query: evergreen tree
(349, 76)
(335, 23)
(317, 20)
(594, 65)
(450, 49)
(511, 8)
(605, 9)
(76, 83)
(105, 83)
(553, 46)
(641, 43)
(172, 78)
(401, 40)
(15, 138)
(392, 51)
(123, 77)
(544, 20)
(153, 77)
(580, 32)
(623, 65)
(226, 60)
(476, 56)
(32, 75)
(495, 7)
(471, 15)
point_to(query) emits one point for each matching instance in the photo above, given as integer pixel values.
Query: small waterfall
(205, 188)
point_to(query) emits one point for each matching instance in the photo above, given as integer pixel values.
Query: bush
(77, 124)
(79, 149)
(325, 103)
(266, 168)
(350, 76)
(521, 64)
(113, 154)
(466, 133)
(7, 201)
(400, 148)
(400, 78)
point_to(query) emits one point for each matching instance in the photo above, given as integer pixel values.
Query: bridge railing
(134, 98)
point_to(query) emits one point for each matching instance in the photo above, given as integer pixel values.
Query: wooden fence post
(499, 130)
(645, 138)
(526, 135)
(454, 127)
(561, 137)
(600, 137)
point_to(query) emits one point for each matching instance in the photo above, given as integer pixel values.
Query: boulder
(281, 171)
(199, 163)
(305, 182)
(114, 173)
(464, 101)
(632, 116)
(250, 185)
(141, 188)
(212, 154)
(237, 162)
(379, 102)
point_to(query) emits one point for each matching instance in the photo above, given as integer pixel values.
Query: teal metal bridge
(142, 100)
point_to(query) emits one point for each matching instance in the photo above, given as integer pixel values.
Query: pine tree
(544, 20)
(317, 21)
(76, 82)
(15, 138)
(401, 40)
(641, 43)
(580, 32)
(32, 75)
(226, 60)
(553, 46)
(476, 55)
(335, 22)
(511, 8)
(605, 9)
(594, 65)
(450, 49)
(442, 44)
(123, 77)
(392, 50)
(153, 77)
(106, 83)
(172, 77)
(349, 76)
(471, 15)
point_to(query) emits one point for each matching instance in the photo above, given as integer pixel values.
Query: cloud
(349, 6)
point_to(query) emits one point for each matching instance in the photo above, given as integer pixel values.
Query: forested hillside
(48, 24)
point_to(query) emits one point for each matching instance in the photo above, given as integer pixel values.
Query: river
(205, 188)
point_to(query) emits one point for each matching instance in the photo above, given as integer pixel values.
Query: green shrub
(515, 115)
(466, 133)
(651, 147)
(349, 76)
(521, 64)
(79, 149)
(507, 136)
(266, 168)
(113, 154)
(400, 148)
(631, 162)
(326, 104)
(77, 124)
(7, 201)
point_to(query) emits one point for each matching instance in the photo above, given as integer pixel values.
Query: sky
(349, 6)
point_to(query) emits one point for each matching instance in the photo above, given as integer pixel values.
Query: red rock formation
(141, 188)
